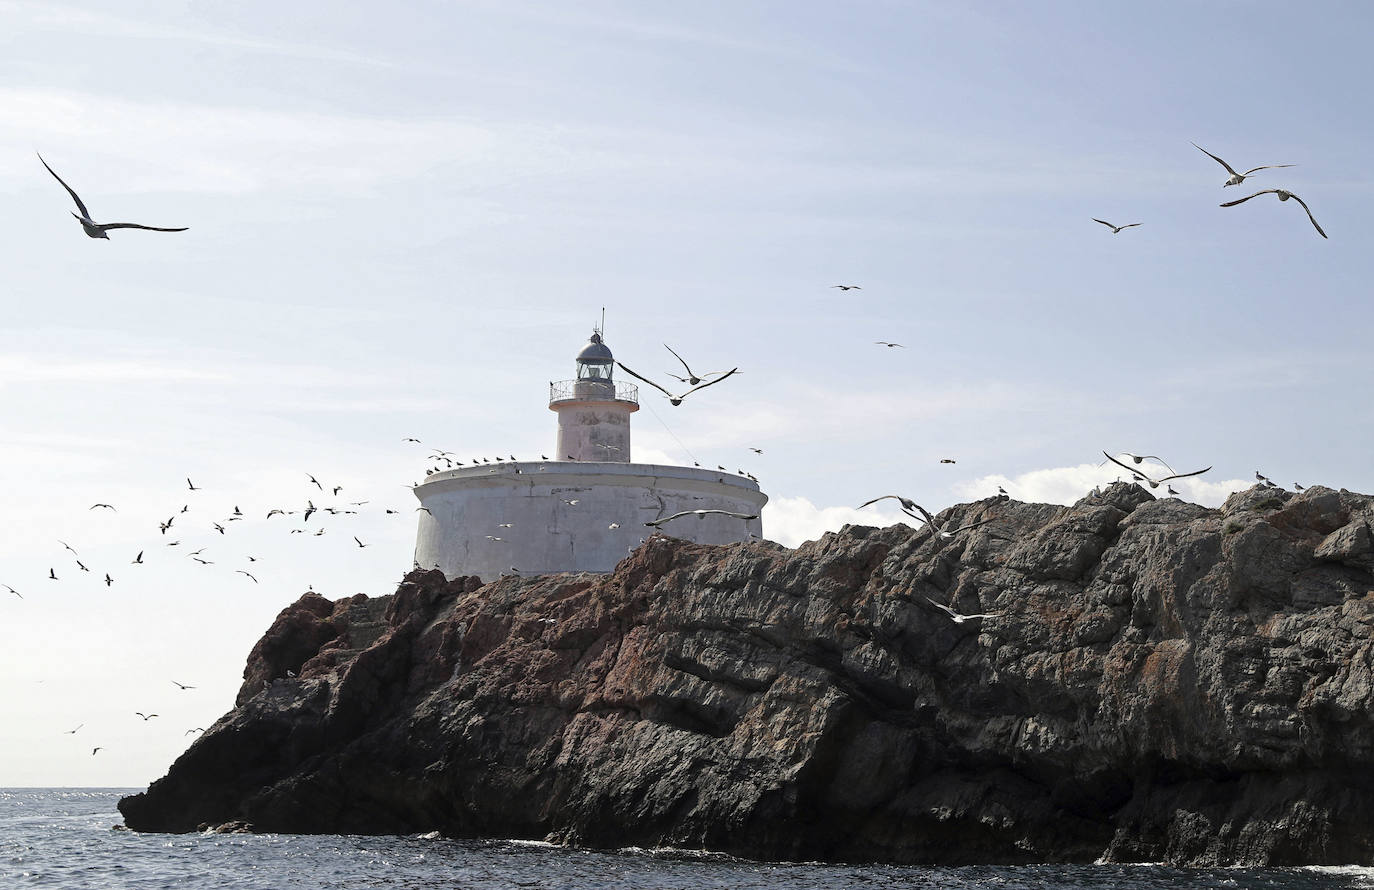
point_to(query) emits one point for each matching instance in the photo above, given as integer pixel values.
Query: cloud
(792, 521)
(32, 369)
(1066, 485)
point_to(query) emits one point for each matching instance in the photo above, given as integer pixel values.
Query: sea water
(67, 838)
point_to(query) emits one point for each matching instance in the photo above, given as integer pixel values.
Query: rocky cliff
(1153, 681)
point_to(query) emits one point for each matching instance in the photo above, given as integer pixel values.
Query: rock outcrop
(1154, 681)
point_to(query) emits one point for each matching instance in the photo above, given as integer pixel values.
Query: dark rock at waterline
(1157, 682)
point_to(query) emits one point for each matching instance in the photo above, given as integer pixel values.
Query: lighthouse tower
(587, 509)
(593, 410)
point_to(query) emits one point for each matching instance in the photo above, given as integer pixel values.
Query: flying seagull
(1237, 178)
(182, 685)
(958, 618)
(106, 506)
(847, 286)
(691, 379)
(1284, 195)
(655, 523)
(93, 228)
(909, 507)
(249, 574)
(146, 717)
(677, 400)
(1154, 483)
(1115, 229)
(13, 591)
(887, 344)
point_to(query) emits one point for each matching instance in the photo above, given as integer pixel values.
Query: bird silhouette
(1237, 178)
(1284, 195)
(1115, 229)
(677, 399)
(91, 227)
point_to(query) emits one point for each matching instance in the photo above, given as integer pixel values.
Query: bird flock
(1236, 179)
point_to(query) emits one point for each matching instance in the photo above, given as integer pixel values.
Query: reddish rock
(1156, 682)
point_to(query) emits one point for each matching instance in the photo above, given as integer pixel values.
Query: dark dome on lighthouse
(595, 359)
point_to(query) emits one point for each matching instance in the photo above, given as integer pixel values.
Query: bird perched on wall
(92, 228)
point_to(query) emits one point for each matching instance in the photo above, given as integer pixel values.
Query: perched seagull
(93, 228)
(1115, 229)
(1237, 178)
(677, 400)
(1296, 487)
(655, 523)
(1170, 490)
(182, 685)
(1284, 195)
(1154, 483)
(847, 286)
(106, 506)
(1261, 477)
(956, 617)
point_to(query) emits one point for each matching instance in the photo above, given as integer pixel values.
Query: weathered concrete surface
(1158, 682)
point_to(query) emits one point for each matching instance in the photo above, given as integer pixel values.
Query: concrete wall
(462, 531)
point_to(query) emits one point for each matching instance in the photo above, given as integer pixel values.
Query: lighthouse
(586, 509)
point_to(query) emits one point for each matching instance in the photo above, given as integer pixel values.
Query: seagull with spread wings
(655, 523)
(1115, 229)
(1237, 178)
(91, 227)
(692, 379)
(677, 399)
(1154, 483)
(956, 617)
(1284, 195)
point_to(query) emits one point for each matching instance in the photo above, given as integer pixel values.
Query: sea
(67, 837)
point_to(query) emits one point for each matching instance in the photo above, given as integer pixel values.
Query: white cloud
(792, 521)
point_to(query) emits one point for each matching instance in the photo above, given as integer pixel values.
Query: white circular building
(585, 510)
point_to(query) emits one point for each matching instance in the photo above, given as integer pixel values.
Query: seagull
(93, 228)
(1170, 490)
(571, 503)
(109, 582)
(146, 717)
(677, 400)
(93, 750)
(316, 481)
(52, 574)
(426, 509)
(359, 543)
(182, 685)
(1261, 477)
(756, 450)
(166, 525)
(411, 439)
(691, 379)
(956, 617)
(655, 523)
(847, 286)
(196, 729)
(612, 525)
(1284, 195)
(309, 508)
(249, 574)
(82, 566)
(191, 485)
(1237, 178)
(1154, 483)
(68, 546)
(909, 507)
(887, 344)
(947, 460)
(1139, 458)
(13, 591)
(72, 731)
(1296, 487)
(106, 506)
(1115, 229)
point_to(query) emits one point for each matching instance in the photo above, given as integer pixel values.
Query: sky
(404, 221)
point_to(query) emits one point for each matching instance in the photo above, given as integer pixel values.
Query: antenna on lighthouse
(602, 330)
